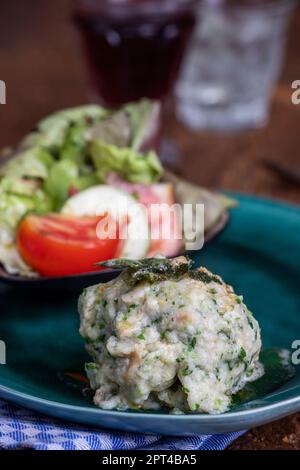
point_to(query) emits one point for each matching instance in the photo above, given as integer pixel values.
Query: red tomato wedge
(59, 245)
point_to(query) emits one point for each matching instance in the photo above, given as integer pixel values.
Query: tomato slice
(59, 245)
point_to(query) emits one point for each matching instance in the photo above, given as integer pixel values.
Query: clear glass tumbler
(233, 63)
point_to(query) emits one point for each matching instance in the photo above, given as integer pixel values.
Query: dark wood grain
(42, 66)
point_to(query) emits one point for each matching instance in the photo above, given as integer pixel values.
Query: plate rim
(9, 392)
(16, 279)
(221, 225)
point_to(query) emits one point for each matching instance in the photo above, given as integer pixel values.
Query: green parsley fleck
(192, 343)
(204, 276)
(164, 334)
(218, 402)
(242, 354)
(186, 371)
(90, 366)
(132, 306)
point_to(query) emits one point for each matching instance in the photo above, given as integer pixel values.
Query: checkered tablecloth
(22, 428)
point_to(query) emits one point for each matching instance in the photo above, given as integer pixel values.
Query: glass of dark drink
(134, 47)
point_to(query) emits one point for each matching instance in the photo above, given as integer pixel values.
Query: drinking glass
(233, 62)
(133, 48)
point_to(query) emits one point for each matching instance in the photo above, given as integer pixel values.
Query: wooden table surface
(42, 66)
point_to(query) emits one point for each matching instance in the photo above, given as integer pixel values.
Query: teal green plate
(258, 254)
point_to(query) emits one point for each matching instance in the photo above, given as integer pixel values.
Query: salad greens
(66, 177)
(74, 149)
(115, 130)
(127, 163)
(32, 163)
(145, 120)
(14, 204)
(70, 151)
(52, 132)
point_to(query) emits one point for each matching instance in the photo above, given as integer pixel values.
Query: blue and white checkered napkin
(21, 428)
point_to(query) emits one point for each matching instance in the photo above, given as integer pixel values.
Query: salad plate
(257, 254)
(85, 279)
(77, 167)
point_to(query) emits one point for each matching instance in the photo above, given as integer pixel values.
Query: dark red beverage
(134, 47)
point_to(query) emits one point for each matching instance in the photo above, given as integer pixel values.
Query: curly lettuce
(127, 163)
(18, 197)
(68, 152)
(66, 178)
(53, 130)
(34, 162)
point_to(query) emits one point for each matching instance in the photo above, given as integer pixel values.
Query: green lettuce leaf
(135, 125)
(74, 147)
(53, 129)
(116, 129)
(64, 179)
(34, 162)
(15, 206)
(144, 116)
(60, 179)
(128, 164)
(19, 186)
